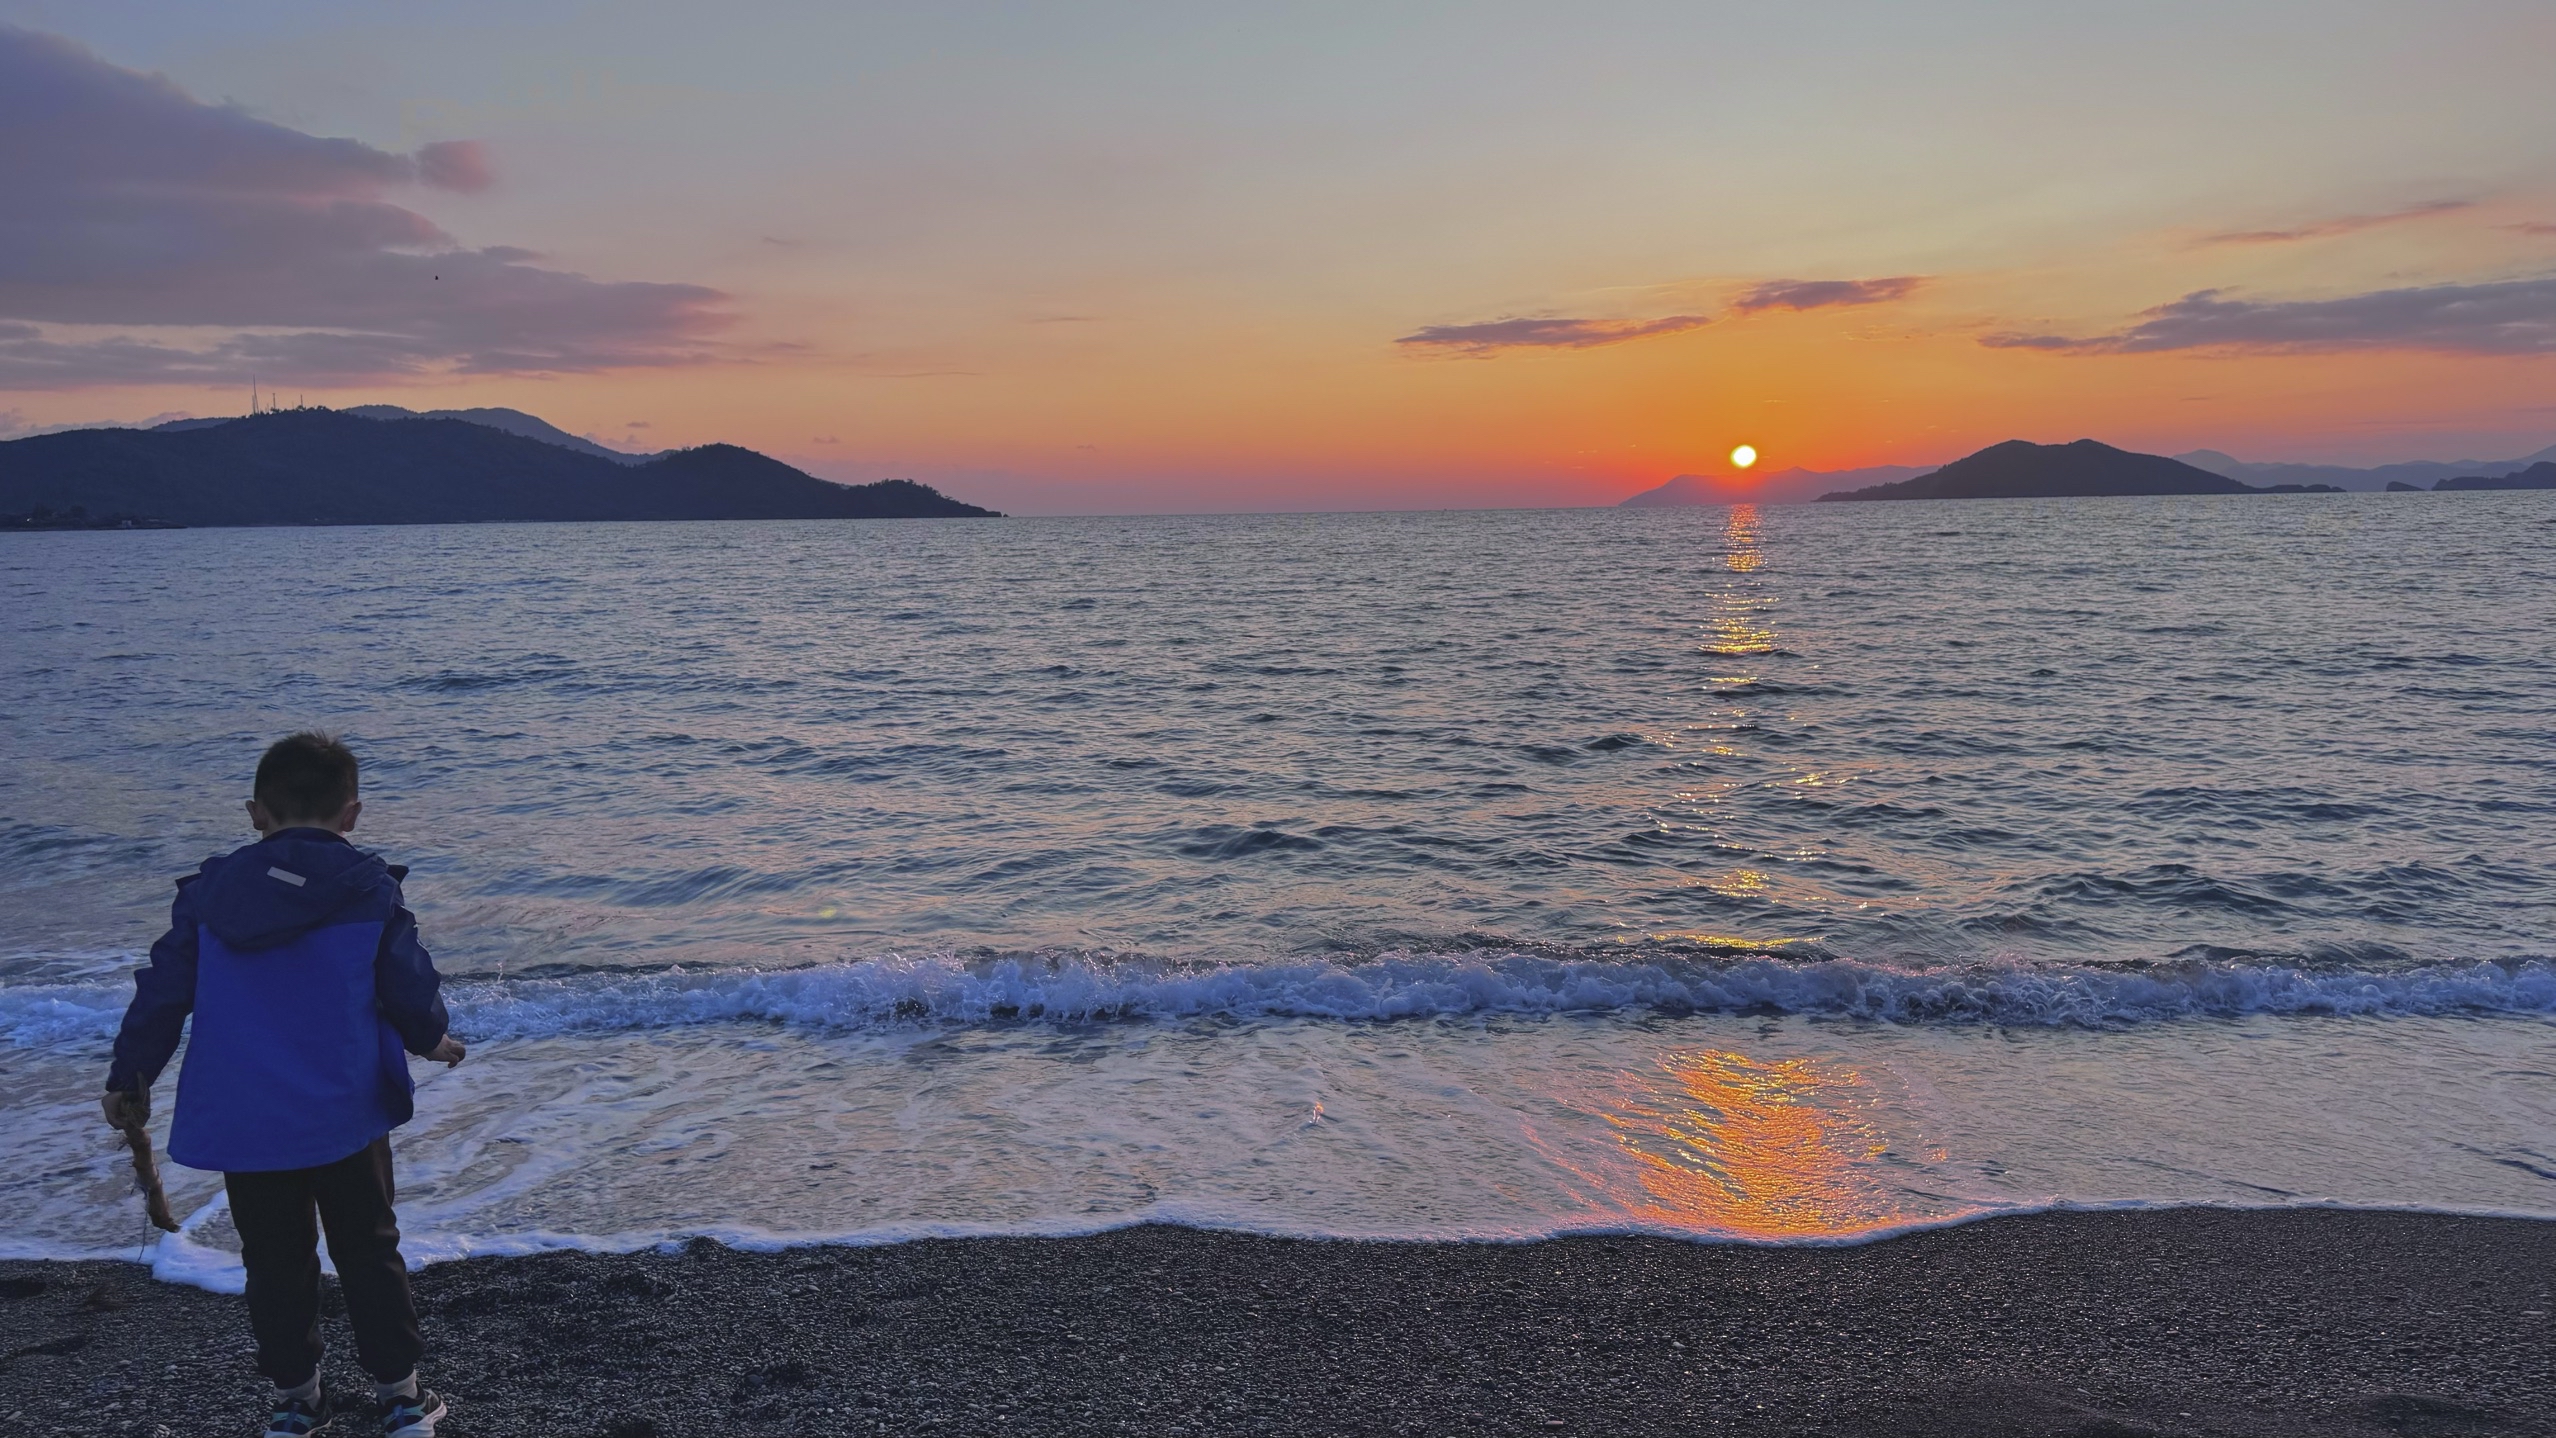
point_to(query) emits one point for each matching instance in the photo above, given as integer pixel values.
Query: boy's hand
(447, 1051)
(127, 1110)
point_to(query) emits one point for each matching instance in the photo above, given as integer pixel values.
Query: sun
(1744, 456)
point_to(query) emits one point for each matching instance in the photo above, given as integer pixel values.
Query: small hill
(327, 467)
(2019, 469)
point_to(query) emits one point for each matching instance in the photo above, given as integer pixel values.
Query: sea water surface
(1773, 874)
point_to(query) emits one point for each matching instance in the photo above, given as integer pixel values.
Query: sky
(1076, 258)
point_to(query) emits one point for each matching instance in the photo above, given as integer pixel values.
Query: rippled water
(1783, 873)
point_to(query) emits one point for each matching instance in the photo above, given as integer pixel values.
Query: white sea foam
(62, 1013)
(1716, 1127)
(178, 1258)
(945, 989)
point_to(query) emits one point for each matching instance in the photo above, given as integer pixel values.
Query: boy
(304, 974)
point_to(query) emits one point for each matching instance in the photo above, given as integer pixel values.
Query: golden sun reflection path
(1739, 632)
(1739, 625)
(1717, 1143)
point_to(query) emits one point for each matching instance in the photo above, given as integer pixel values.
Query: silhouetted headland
(2019, 469)
(316, 466)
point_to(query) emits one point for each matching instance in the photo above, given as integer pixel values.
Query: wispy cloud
(2057, 344)
(2342, 225)
(245, 245)
(1493, 336)
(2507, 317)
(1823, 294)
(2534, 227)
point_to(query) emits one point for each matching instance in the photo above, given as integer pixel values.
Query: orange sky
(1154, 260)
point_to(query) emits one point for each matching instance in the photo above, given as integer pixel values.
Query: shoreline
(192, 1271)
(2087, 1323)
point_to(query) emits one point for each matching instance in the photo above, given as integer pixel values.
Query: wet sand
(2097, 1325)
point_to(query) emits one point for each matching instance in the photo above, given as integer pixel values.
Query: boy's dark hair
(309, 775)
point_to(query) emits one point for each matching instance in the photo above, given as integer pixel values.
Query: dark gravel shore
(2197, 1321)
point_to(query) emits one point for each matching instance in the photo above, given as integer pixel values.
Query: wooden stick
(147, 1173)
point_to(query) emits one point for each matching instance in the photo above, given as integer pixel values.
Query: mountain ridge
(2414, 473)
(317, 466)
(496, 417)
(2541, 475)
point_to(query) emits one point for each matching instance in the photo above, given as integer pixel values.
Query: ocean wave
(954, 989)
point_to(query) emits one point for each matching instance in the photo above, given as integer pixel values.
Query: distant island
(1799, 486)
(319, 466)
(78, 517)
(2541, 475)
(2403, 477)
(2020, 469)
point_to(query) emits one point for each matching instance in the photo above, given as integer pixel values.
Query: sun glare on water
(1744, 456)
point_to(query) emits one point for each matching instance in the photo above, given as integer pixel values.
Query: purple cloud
(1493, 336)
(1821, 294)
(2342, 225)
(132, 204)
(455, 165)
(2500, 318)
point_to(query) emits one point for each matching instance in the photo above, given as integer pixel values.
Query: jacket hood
(285, 885)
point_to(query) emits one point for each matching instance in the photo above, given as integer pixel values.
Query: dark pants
(281, 1250)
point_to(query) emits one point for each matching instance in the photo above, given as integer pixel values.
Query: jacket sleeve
(163, 995)
(406, 986)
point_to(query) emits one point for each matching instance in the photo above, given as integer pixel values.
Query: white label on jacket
(295, 880)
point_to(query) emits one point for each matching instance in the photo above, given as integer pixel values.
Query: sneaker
(294, 1417)
(413, 1417)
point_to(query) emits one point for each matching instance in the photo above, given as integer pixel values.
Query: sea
(1790, 875)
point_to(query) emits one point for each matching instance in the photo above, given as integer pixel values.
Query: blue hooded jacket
(302, 968)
